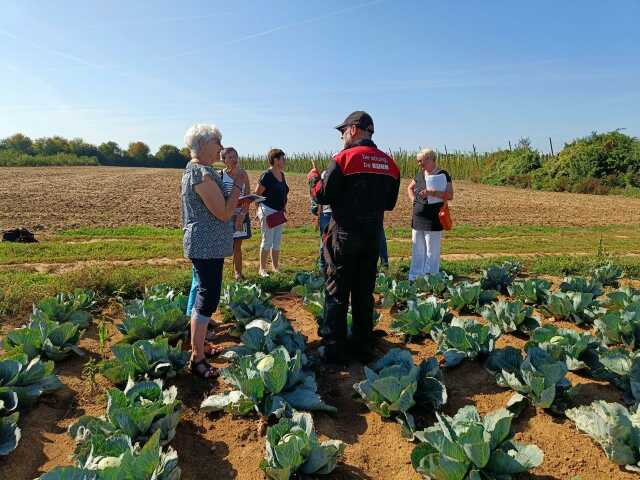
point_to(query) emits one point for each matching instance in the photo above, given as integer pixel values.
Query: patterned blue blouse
(205, 235)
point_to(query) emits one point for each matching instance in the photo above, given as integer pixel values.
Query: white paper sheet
(435, 182)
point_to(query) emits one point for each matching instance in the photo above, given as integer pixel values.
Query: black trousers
(351, 260)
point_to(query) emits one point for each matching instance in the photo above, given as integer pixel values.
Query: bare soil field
(223, 447)
(54, 198)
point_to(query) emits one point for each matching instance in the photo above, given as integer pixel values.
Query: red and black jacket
(360, 184)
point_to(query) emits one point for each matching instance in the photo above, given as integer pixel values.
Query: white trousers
(425, 253)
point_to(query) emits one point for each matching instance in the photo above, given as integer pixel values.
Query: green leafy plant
(467, 296)
(165, 292)
(539, 376)
(307, 283)
(118, 460)
(581, 285)
(572, 306)
(623, 298)
(27, 379)
(268, 384)
(152, 317)
(239, 293)
(154, 358)
(532, 291)
(420, 317)
(66, 307)
(398, 294)
(620, 327)
(103, 336)
(505, 317)
(463, 338)
(394, 385)
(138, 411)
(45, 338)
(564, 345)
(608, 275)
(434, 283)
(621, 368)
(89, 371)
(614, 428)
(314, 304)
(245, 313)
(293, 447)
(470, 447)
(9, 432)
(383, 282)
(498, 277)
(263, 336)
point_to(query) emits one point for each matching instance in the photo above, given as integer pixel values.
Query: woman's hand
(431, 193)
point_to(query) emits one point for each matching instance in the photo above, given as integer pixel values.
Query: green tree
(18, 142)
(51, 145)
(79, 147)
(139, 153)
(170, 157)
(110, 153)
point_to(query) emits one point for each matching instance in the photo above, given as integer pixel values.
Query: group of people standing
(350, 197)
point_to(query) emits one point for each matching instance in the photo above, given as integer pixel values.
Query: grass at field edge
(20, 289)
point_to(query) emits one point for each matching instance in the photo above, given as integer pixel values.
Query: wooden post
(445, 150)
(509, 145)
(551, 145)
(474, 151)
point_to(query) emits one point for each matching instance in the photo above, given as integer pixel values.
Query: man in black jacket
(360, 184)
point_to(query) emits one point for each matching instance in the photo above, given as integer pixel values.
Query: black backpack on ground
(20, 235)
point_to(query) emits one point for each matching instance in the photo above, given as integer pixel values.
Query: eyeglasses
(347, 127)
(344, 129)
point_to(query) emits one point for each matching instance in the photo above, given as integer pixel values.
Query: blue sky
(282, 73)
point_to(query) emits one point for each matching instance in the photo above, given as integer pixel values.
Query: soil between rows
(222, 447)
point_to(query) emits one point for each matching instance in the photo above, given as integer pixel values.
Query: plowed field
(54, 198)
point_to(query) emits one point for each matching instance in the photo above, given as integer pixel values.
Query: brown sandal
(211, 350)
(203, 370)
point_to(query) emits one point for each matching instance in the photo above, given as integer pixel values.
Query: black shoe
(363, 349)
(333, 352)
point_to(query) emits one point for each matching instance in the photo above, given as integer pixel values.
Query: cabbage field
(505, 375)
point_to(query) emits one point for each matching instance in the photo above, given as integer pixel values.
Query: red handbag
(275, 219)
(444, 215)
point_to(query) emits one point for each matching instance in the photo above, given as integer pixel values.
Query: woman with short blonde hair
(427, 192)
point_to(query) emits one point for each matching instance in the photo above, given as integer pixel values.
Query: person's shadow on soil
(467, 380)
(199, 457)
(349, 472)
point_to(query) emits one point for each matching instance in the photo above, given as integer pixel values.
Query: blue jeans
(384, 255)
(193, 291)
(323, 223)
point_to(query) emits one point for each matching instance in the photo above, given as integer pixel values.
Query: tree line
(138, 154)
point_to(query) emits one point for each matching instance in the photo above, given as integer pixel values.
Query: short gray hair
(427, 153)
(199, 135)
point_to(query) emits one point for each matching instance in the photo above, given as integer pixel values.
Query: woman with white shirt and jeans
(427, 192)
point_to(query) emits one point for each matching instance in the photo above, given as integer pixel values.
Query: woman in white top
(241, 221)
(427, 192)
